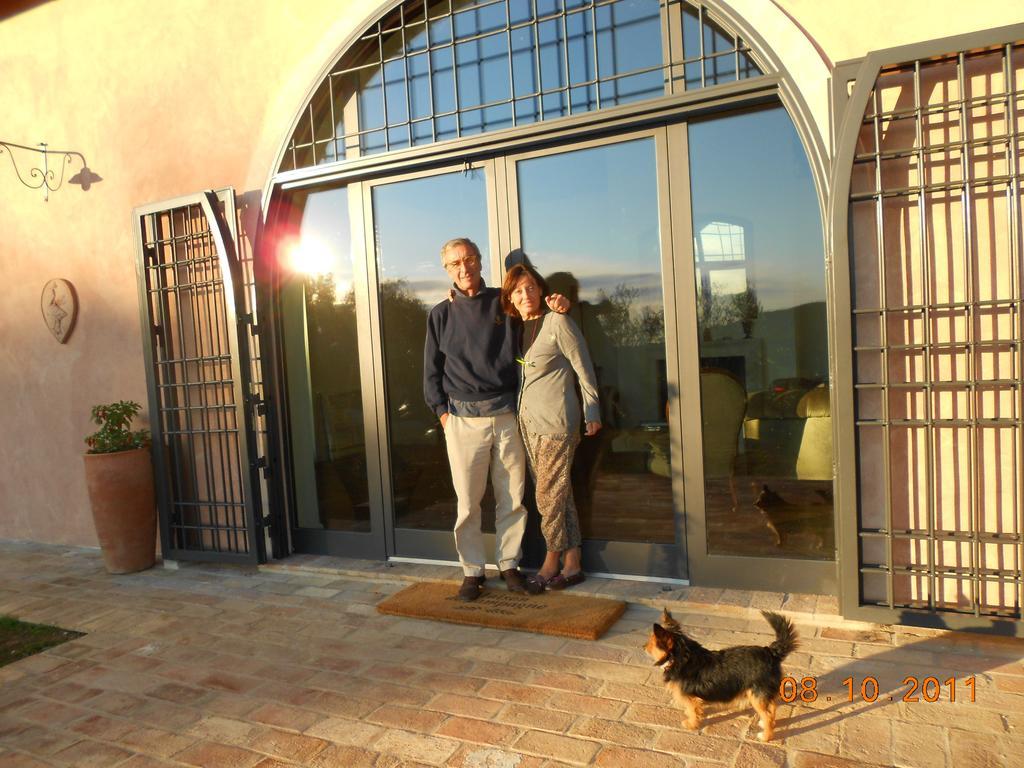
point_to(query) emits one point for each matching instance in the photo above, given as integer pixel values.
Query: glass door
(693, 261)
(595, 221)
(760, 515)
(408, 219)
(324, 320)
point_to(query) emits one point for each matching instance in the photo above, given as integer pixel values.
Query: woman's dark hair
(511, 278)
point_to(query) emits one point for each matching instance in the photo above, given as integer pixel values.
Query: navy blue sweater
(470, 351)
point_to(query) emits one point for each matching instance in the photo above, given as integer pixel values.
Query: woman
(552, 349)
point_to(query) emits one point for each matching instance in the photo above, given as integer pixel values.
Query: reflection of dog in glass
(695, 675)
(786, 520)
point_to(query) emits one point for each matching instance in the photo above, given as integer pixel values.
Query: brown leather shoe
(561, 581)
(514, 581)
(472, 587)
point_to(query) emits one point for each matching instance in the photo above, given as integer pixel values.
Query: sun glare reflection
(310, 257)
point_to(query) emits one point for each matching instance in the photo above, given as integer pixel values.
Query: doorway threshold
(824, 609)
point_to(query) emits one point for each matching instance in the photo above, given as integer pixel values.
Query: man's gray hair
(456, 242)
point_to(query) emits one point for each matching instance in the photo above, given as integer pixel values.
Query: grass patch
(19, 639)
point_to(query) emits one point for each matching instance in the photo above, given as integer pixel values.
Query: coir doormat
(550, 613)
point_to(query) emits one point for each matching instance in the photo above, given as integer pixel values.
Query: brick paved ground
(231, 667)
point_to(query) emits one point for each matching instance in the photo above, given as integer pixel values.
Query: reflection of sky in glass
(325, 229)
(727, 281)
(594, 213)
(750, 169)
(413, 219)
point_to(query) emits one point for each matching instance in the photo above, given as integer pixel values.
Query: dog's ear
(668, 622)
(665, 638)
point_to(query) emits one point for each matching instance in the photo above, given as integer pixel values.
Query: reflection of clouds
(430, 292)
(597, 261)
(781, 289)
(646, 284)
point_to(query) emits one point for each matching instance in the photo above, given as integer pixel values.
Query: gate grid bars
(199, 380)
(937, 328)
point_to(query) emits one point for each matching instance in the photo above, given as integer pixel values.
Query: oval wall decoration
(60, 307)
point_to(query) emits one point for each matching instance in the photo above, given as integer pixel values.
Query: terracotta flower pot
(123, 508)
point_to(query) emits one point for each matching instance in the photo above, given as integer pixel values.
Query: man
(471, 381)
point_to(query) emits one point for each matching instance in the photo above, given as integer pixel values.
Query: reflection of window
(720, 256)
(720, 241)
(451, 68)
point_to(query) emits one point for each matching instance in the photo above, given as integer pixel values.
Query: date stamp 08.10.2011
(912, 689)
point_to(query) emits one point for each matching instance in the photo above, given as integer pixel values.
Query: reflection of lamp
(45, 177)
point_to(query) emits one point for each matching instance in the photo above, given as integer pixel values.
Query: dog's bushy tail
(785, 635)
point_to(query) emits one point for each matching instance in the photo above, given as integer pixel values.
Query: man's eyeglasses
(455, 266)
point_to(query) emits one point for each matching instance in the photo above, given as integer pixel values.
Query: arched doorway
(642, 156)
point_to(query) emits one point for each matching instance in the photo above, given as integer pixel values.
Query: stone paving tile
(430, 750)
(346, 732)
(536, 718)
(407, 718)
(39, 740)
(620, 757)
(154, 741)
(145, 761)
(208, 753)
(480, 731)
(475, 756)
(285, 745)
(91, 754)
(212, 666)
(572, 750)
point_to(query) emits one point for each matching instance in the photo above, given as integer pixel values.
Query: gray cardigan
(548, 404)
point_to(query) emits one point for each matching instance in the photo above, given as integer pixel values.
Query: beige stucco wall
(162, 103)
(848, 30)
(167, 99)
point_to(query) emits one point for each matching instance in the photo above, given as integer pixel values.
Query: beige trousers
(477, 446)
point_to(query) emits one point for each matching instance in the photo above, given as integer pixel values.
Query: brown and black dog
(696, 675)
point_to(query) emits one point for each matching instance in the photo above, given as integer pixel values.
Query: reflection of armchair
(723, 404)
(773, 430)
(814, 461)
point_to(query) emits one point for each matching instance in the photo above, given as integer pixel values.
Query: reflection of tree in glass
(419, 465)
(404, 318)
(623, 326)
(321, 290)
(747, 309)
(716, 309)
(331, 334)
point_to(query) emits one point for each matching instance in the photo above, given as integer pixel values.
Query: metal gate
(202, 403)
(927, 219)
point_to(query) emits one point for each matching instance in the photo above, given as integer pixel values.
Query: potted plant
(119, 475)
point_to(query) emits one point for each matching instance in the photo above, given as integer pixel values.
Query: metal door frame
(411, 543)
(649, 560)
(706, 568)
(338, 543)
